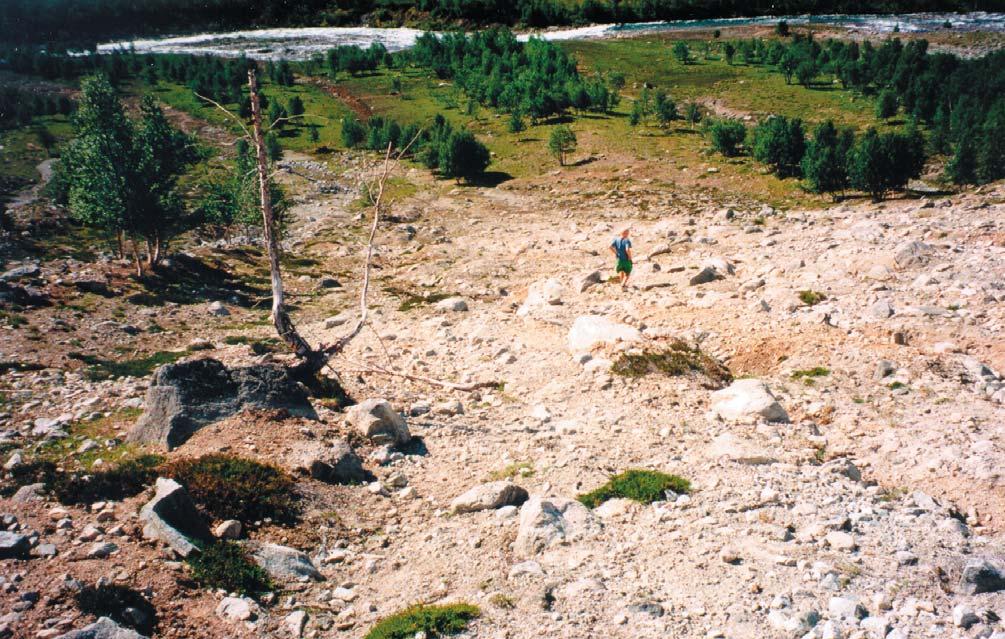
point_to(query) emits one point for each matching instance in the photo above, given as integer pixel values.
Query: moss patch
(226, 565)
(679, 358)
(643, 486)
(435, 621)
(230, 487)
(126, 479)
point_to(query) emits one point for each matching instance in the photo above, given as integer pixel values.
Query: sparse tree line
(961, 102)
(833, 160)
(82, 20)
(19, 106)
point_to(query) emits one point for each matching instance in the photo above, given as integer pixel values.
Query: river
(302, 43)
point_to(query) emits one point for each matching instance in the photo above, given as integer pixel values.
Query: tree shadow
(184, 279)
(583, 162)
(490, 179)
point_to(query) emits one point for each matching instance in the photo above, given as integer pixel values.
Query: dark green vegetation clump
(99, 369)
(643, 486)
(811, 298)
(810, 374)
(435, 621)
(229, 487)
(126, 479)
(226, 565)
(111, 601)
(679, 358)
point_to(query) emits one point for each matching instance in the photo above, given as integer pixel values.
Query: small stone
(230, 529)
(964, 616)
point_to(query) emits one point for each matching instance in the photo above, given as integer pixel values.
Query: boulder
(548, 521)
(337, 463)
(13, 545)
(26, 271)
(980, 575)
(172, 518)
(912, 254)
(592, 279)
(377, 420)
(235, 609)
(489, 496)
(705, 276)
(283, 563)
(186, 396)
(452, 305)
(103, 628)
(230, 529)
(590, 331)
(747, 400)
(541, 295)
(218, 309)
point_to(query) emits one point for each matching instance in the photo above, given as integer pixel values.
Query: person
(621, 247)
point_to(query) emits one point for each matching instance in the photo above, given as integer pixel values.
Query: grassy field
(754, 89)
(677, 154)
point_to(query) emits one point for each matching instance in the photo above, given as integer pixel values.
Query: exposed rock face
(747, 400)
(103, 628)
(590, 331)
(376, 419)
(549, 521)
(489, 496)
(186, 396)
(172, 518)
(283, 563)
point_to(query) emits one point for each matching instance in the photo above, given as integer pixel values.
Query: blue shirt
(621, 246)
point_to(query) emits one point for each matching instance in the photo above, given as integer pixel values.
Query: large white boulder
(546, 522)
(590, 331)
(746, 401)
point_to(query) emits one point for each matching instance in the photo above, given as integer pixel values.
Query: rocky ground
(846, 485)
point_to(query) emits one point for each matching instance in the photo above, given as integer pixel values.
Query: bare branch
(247, 133)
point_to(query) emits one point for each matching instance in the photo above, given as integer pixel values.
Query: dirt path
(351, 100)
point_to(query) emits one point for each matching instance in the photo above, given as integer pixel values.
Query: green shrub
(435, 621)
(811, 298)
(230, 487)
(226, 565)
(678, 359)
(111, 601)
(727, 135)
(643, 486)
(128, 478)
(810, 373)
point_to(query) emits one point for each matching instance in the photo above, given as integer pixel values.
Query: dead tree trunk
(314, 360)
